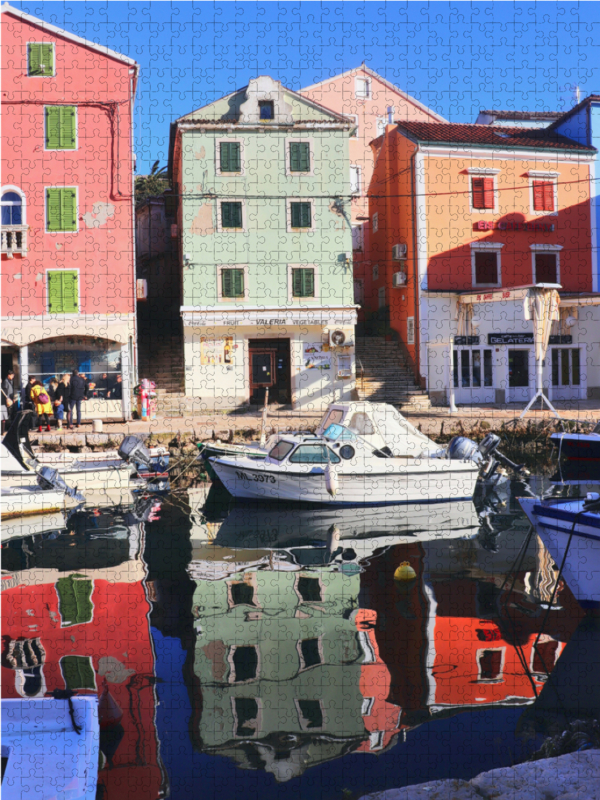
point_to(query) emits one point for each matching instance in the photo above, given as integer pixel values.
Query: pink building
(372, 101)
(68, 262)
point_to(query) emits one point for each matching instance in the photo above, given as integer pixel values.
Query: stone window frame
(220, 298)
(317, 284)
(311, 147)
(242, 200)
(486, 247)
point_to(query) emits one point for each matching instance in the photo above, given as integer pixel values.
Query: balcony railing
(14, 239)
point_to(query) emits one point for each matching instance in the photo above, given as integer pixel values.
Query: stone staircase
(160, 354)
(383, 376)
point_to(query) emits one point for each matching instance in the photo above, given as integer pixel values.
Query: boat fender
(405, 572)
(331, 480)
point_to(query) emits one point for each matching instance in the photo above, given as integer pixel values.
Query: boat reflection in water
(75, 614)
(311, 645)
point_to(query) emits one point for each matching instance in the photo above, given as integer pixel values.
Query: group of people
(61, 399)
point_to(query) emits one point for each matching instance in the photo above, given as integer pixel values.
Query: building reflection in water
(304, 654)
(75, 617)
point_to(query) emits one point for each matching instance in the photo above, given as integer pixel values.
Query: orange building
(372, 101)
(463, 216)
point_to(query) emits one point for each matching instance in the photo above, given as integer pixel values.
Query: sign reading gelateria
(525, 338)
(484, 225)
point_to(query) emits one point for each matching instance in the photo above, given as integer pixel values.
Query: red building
(471, 214)
(68, 267)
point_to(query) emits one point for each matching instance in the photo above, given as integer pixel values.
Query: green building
(266, 248)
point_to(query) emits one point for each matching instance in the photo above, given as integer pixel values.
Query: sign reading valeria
(484, 225)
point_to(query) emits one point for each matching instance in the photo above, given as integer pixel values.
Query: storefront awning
(503, 295)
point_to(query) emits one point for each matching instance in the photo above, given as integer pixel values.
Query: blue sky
(455, 57)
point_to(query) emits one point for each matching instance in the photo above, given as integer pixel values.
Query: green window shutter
(226, 283)
(230, 157)
(78, 672)
(305, 215)
(55, 292)
(38, 54)
(238, 282)
(53, 209)
(296, 215)
(61, 209)
(297, 282)
(47, 59)
(52, 127)
(70, 293)
(299, 157)
(301, 216)
(34, 58)
(309, 283)
(303, 282)
(67, 127)
(75, 599)
(68, 209)
(63, 292)
(231, 215)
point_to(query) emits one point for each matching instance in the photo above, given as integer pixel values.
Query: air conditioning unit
(399, 252)
(341, 337)
(398, 279)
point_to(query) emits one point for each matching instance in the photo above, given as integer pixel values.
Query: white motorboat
(23, 501)
(570, 529)
(85, 474)
(51, 748)
(342, 468)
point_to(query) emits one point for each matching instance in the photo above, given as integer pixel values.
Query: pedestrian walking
(8, 399)
(43, 406)
(61, 399)
(78, 394)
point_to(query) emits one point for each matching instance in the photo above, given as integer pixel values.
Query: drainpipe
(413, 159)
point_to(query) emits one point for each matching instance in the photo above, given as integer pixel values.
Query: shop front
(494, 356)
(105, 356)
(303, 358)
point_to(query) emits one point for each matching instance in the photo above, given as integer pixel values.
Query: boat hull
(554, 523)
(26, 500)
(578, 446)
(92, 476)
(441, 481)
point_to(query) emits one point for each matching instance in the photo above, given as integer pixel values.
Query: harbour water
(294, 652)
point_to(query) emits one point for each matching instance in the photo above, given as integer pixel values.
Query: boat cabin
(382, 425)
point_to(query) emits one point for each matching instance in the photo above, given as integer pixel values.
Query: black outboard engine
(133, 449)
(49, 478)
(463, 449)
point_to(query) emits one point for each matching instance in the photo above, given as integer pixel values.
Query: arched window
(12, 208)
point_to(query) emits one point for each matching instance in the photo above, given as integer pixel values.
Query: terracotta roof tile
(489, 136)
(551, 115)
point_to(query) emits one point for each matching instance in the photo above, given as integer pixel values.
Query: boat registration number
(255, 477)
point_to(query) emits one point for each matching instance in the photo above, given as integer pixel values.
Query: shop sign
(510, 338)
(466, 340)
(565, 338)
(524, 338)
(484, 225)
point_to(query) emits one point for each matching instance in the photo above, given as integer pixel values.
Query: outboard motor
(133, 449)
(49, 478)
(463, 449)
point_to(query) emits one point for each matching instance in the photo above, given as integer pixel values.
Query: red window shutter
(478, 193)
(488, 192)
(538, 196)
(543, 196)
(548, 197)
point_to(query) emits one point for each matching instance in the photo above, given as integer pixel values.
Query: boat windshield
(339, 433)
(596, 428)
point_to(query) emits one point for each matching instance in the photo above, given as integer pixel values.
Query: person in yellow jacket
(42, 403)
